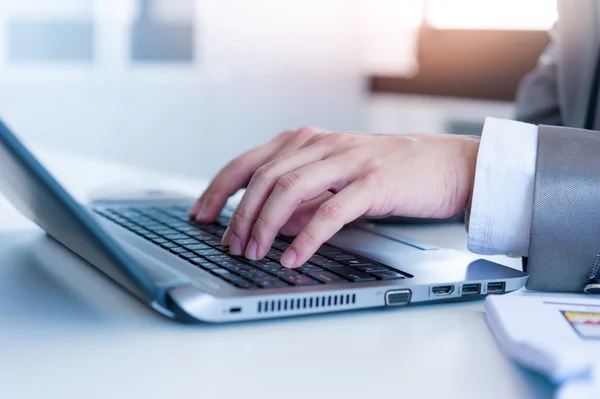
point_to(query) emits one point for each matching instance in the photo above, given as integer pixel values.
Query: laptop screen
(38, 196)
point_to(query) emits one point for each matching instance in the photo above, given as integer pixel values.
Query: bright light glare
(482, 14)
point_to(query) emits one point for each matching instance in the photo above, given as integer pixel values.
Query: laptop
(179, 268)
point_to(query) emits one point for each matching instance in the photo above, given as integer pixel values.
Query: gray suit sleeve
(537, 95)
(565, 226)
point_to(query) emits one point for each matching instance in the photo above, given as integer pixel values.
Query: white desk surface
(78, 335)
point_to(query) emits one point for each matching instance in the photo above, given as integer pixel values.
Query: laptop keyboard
(200, 245)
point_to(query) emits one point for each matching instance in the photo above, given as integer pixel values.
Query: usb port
(470, 289)
(495, 288)
(442, 290)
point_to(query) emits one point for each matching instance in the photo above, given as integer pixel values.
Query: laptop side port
(397, 297)
(471, 289)
(442, 290)
(496, 288)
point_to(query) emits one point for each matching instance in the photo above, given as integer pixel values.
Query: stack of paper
(556, 336)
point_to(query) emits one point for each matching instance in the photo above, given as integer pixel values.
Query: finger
(317, 137)
(300, 185)
(298, 141)
(344, 207)
(231, 178)
(259, 189)
(303, 214)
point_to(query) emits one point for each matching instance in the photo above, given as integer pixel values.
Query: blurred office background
(184, 85)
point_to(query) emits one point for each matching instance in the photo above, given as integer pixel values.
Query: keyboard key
(259, 278)
(197, 246)
(328, 249)
(217, 257)
(328, 277)
(245, 284)
(205, 264)
(326, 263)
(221, 248)
(356, 262)
(370, 268)
(236, 268)
(221, 272)
(352, 274)
(175, 236)
(308, 268)
(280, 245)
(388, 275)
(300, 279)
(187, 255)
(275, 257)
(249, 271)
(342, 257)
(178, 250)
(232, 278)
(209, 252)
(284, 271)
(273, 267)
(169, 245)
(189, 241)
(273, 284)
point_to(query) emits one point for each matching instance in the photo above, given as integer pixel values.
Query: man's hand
(310, 183)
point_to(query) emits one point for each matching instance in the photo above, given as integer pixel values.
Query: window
(503, 14)
(390, 27)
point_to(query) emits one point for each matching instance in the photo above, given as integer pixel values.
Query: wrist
(470, 152)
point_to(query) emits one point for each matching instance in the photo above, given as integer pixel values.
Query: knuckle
(305, 133)
(330, 210)
(239, 216)
(373, 178)
(315, 139)
(265, 172)
(354, 153)
(287, 182)
(261, 227)
(335, 138)
(286, 134)
(310, 236)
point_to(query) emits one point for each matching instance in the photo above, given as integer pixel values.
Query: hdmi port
(442, 290)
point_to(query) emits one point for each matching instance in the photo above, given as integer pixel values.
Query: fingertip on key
(235, 245)
(226, 237)
(289, 258)
(252, 250)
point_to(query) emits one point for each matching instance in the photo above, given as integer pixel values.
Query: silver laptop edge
(180, 290)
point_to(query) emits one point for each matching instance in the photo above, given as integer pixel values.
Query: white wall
(263, 66)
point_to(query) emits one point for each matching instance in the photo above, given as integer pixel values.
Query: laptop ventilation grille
(313, 302)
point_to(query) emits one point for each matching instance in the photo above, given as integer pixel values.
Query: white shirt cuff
(501, 207)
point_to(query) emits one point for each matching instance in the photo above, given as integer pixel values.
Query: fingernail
(225, 239)
(252, 249)
(289, 258)
(235, 245)
(200, 212)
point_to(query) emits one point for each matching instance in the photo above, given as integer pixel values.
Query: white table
(76, 334)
